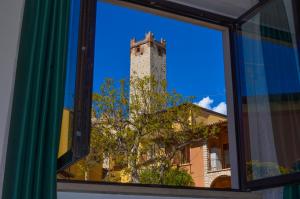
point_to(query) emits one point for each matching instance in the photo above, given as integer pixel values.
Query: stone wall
(140, 61)
(210, 176)
(147, 58)
(158, 63)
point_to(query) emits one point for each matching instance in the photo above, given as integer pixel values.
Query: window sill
(151, 190)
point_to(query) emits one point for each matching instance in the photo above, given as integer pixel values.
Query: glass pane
(270, 79)
(69, 99)
(158, 104)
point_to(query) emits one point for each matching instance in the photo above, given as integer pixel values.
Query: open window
(75, 127)
(260, 45)
(154, 125)
(267, 64)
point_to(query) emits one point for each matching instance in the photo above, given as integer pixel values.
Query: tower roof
(149, 38)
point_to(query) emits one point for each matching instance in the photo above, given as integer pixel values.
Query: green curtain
(30, 171)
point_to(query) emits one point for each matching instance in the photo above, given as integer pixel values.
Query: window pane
(157, 103)
(270, 79)
(69, 100)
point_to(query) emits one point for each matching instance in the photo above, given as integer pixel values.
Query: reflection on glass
(270, 75)
(69, 99)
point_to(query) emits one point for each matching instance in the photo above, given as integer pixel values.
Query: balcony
(218, 164)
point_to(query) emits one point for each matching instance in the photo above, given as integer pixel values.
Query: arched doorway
(223, 182)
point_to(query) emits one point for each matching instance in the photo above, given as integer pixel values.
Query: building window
(185, 155)
(160, 51)
(215, 159)
(226, 158)
(138, 50)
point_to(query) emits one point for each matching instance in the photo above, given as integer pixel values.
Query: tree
(174, 176)
(128, 126)
(94, 158)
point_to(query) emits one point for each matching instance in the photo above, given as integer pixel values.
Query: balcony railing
(217, 164)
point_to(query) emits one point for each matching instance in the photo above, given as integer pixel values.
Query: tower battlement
(149, 39)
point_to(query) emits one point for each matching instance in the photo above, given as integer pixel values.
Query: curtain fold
(30, 171)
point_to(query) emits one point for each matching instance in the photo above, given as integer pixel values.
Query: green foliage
(95, 155)
(149, 176)
(112, 177)
(173, 176)
(178, 177)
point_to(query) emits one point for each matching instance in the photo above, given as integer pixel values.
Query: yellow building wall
(95, 173)
(65, 132)
(76, 173)
(208, 118)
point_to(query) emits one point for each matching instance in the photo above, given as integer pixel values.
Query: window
(226, 158)
(149, 124)
(75, 128)
(268, 62)
(215, 159)
(265, 77)
(185, 155)
(138, 50)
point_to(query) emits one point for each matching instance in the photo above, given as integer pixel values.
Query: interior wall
(11, 12)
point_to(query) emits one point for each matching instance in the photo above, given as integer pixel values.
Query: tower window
(160, 52)
(139, 50)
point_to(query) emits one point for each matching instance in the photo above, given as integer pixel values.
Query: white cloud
(221, 108)
(207, 102)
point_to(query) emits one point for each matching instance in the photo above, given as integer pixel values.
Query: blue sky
(194, 54)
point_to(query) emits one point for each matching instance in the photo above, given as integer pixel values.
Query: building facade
(208, 161)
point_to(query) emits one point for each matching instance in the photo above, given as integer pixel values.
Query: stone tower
(148, 58)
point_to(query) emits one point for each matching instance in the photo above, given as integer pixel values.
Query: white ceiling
(229, 8)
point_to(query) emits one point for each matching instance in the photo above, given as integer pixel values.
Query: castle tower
(148, 58)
